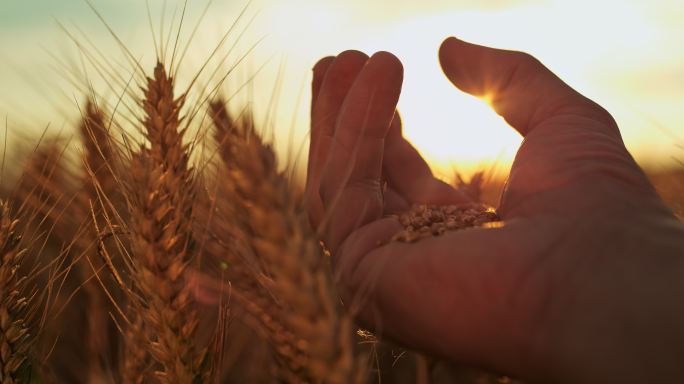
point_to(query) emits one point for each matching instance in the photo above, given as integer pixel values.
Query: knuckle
(366, 188)
(525, 62)
(365, 184)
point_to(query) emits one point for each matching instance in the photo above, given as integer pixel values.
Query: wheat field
(171, 245)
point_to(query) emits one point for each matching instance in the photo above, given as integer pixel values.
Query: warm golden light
(623, 54)
(453, 130)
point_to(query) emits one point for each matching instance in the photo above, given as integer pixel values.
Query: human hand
(369, 112)
(575, 286)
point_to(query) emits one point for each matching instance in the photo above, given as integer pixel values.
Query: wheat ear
(15, 337)
(162, 193)
(311, 336)
(98, 179)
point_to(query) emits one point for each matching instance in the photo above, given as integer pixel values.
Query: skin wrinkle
(561, 109)
(418, 267)
(594, 113)
(610, 152)
(338, 80)
(365, 215)
(327, 189)
(365, 240)
(326, 192)
(600, 158)
(357, 176)
(542, 116)
(500, 102)
(513, 74)
(591, 121)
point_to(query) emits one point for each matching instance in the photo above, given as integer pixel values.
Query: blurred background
(624, 54)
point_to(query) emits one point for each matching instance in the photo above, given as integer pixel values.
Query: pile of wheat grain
(424, 221)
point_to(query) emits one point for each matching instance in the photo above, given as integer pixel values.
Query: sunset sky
(625, 54)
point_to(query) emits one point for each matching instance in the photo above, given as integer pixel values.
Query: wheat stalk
(226, 282)
(42, 196)
(162, 194)
(98, 179)
(42, 192)
(301, 315)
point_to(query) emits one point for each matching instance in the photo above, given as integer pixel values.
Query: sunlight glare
(452, 130)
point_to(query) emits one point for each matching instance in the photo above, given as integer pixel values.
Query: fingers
(313, 201)
(333, 77)
(339, 78)
(351, 186)
(408, 173)
(519, 87)
(319, 72)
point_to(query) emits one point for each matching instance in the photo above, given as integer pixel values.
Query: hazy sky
(625, 54)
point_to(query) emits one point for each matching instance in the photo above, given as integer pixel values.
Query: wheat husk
(301, 315)
(15, 335)
(161, 194)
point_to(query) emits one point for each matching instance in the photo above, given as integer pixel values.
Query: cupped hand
(575, 284)
(353, 115)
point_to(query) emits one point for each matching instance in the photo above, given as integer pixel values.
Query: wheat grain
(162, 194)
(302, 317)
(15, 337)
(424, 221)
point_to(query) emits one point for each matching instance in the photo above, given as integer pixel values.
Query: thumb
(520, 88)
(569, 139)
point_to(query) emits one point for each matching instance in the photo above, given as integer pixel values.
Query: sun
(451, 129)
(454, 130)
